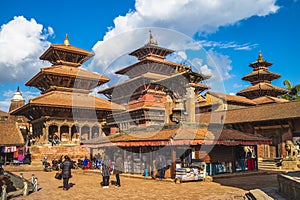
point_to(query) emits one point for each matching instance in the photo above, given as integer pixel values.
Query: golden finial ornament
(151, 40)
(66, 41)
(260, 58)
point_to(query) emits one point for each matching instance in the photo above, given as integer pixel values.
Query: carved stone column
(168, 109)
(70, 133)
(190, 104)
(44, 134)
(46, 131)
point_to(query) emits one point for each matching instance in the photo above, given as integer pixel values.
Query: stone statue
(25, 188)
(291, 149)
(4, 194)
(35, 185)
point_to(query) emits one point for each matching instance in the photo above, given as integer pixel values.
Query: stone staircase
(269, 164)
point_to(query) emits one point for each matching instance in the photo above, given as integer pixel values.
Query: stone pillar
(70, 133)
(59, 131)
(46, 131)
(173, 164)
(168, 109)
(190, 104)
(44, 134)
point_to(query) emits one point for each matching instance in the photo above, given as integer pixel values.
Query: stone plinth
(289, 165)
(289, 184)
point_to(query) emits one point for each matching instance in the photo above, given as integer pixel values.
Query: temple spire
(66, 41)
(18, 90)
(260, 58)
(151, 40)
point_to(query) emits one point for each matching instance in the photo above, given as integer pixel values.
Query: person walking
(118, 169)
(66, 167)
(106, 167)
(162, 166)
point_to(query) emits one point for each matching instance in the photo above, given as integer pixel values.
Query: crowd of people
(106, 165)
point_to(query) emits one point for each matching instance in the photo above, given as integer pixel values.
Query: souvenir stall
(7, 154)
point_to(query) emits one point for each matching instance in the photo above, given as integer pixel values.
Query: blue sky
(218, 37)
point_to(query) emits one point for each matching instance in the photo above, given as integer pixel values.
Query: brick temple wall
(74, 152)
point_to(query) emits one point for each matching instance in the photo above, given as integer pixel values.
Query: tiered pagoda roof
(151, 78)
(66, 54)
(261, 80)
(64, 85)
(153, 67)
(65, 71)
(152, 50)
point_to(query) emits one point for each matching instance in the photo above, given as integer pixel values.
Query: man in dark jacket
(66, 167)
(106, 167)
(118, 169)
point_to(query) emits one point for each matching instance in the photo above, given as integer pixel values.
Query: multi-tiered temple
(155, 87)
(261, 79)
(65, 109)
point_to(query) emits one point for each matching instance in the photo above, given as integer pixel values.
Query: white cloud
(236, 86)
(187, 17)
(22, 41)
(221, 64)
(205, 70)
(109, 51)
(226, 45)
(4, 105)
(190, 16)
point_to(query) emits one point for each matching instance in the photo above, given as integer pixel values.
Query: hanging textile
(10, 149)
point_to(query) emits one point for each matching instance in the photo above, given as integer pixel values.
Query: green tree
(293, 93)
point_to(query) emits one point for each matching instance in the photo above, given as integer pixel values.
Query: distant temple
(261, 79)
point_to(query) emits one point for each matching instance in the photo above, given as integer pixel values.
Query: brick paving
(86, 185)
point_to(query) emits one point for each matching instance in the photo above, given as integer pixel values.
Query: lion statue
(291, 149)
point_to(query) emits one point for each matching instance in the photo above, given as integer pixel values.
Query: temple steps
(268, 164)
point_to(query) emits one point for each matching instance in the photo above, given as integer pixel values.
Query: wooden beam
(272, 127)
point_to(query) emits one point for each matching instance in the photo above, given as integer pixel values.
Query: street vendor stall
(196, 171)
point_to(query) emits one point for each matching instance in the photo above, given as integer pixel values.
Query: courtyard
(86, 185)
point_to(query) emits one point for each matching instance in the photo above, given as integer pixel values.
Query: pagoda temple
(65, 110)
(154, 89)
(261, 80)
